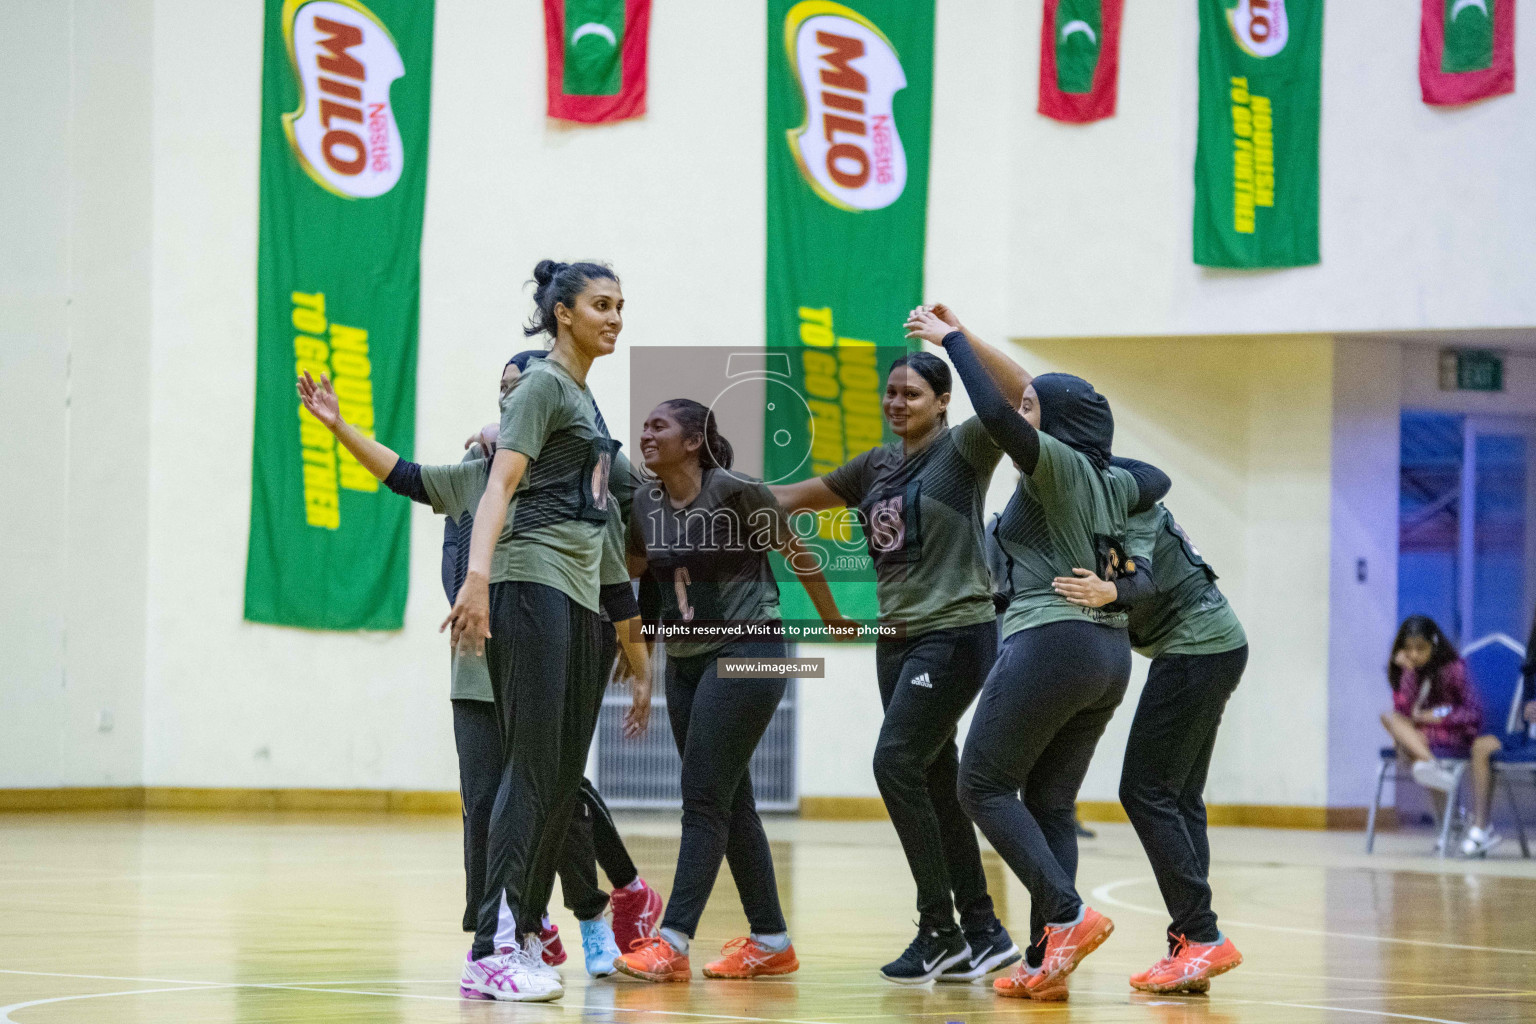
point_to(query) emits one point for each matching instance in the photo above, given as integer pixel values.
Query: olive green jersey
(1189, 614)
(455, 492)
(1065, 515)
(556, 521)
(921, 516)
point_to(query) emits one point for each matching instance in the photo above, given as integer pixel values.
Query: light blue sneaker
(598, 946)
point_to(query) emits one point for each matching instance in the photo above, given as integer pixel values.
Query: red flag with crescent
(596, 58)
(1466, 50)
(1079, 59)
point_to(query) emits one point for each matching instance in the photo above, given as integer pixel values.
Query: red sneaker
(1015, 985)
(654, 959)
(636, 914)
(1194, 964)
(554, 952)
(1066, 946)
(744, 958)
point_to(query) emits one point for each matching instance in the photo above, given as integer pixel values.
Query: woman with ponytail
(705, 532)
(530, 601)
(919, 501)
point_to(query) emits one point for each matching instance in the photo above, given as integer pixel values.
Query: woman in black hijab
(1062, 669)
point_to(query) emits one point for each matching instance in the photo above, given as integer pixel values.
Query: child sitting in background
(1434, 711)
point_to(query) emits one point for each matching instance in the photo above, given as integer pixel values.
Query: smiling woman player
(705, 534)
(919, 501)
(530, 600)
(454, 491)
(1063, 669)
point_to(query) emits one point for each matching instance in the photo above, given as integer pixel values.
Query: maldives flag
(596, 54)
(1466, 50)
(1079, 59)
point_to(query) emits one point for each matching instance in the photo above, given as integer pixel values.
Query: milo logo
(848, 149)
(344, 133)
(1259, 26)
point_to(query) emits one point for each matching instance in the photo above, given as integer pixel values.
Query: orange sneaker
(1015, 985)
(1066, 946)
(1193, 965)
(654, 959)
(1140, 980)
(746, 958)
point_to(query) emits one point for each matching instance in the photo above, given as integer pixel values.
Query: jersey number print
(680, 581)
(888, 524)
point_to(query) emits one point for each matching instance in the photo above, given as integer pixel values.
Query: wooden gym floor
(166, 917)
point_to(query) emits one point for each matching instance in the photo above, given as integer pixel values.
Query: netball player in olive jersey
(454, 491)
(707, 532)
(1181, 620)
(530, 601)
(636, 906)
(1062, 669)
(919, 501)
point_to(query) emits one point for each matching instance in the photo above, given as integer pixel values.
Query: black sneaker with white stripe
(991, 949)
(929, 955)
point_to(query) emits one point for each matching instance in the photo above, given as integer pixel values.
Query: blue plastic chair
(1501, 685)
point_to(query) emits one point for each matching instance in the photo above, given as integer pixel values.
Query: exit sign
(1465, 369)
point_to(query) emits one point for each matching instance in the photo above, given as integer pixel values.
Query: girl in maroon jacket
(1435, 712)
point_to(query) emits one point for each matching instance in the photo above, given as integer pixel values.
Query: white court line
(1104, 894)
(198, 986)
(203, 986)
(1373, 1013)
(5, 1011)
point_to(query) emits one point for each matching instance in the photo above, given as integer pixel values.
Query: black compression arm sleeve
(405, 479)
(618, 600)
(1136, 587)
(1010, 431)
(1152, 483)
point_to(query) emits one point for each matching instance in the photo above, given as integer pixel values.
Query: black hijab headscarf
(1075, 414)
(522, 359)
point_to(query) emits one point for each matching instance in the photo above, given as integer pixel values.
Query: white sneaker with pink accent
(508, 977)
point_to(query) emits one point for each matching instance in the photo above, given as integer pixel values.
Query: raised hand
(946, 314)
(924, 325)
(320, 399)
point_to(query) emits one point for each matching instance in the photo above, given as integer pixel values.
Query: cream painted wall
(74, 390)
(1249, 457)
(1367, 397)
(137, 210)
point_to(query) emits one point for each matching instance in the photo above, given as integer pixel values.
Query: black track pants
(926, 683)
(1162, 784)
(543, 656)
(478, 738)
(717, 724)
(1041, 712)
(593, 839)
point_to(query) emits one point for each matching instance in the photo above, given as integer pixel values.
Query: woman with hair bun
(530, 600)
(705, 532)
(919, 501)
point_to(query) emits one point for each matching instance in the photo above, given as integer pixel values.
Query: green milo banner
(345, 102)
(850, 101)
(1256, 182)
